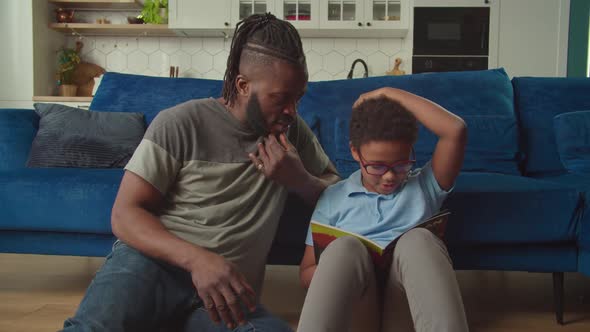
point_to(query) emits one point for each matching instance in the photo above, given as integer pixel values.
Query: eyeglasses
(401, 167)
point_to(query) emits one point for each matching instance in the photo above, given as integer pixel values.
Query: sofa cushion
(71, 137)
(482, 94)
(572, 135)
(58, 199)
(149, 95)
(492, 208)
(482, 153)
(538, 100)
(17, 130)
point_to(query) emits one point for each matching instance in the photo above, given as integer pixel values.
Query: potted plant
(155, 11)
(68, 59)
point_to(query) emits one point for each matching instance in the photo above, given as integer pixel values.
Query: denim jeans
(133, 292)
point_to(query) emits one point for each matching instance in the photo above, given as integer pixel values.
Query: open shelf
(155, 30)
(57, 99)
(98, 4)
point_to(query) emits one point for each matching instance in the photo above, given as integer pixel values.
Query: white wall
(533, 37)
(16, 59)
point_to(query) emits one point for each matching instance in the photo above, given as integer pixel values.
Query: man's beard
(254, 116)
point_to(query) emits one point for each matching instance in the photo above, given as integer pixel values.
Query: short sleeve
(158, 158)
(321, 214)
(310, 151)
(430, 186)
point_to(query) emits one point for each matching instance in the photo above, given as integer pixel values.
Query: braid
(265, 35)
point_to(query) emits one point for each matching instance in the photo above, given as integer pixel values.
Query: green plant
(67, 60)
(151, 11)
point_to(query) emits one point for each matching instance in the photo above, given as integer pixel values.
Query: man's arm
(281, 163)
(217, 281)
(450, 129)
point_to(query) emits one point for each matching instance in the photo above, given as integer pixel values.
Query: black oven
(451, 30)
(450, 39)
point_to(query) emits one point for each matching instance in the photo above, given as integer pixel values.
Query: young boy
(380, 201)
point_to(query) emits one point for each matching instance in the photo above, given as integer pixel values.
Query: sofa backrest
(149, 95)
(538, 101)
(484, 99)
(17, 130)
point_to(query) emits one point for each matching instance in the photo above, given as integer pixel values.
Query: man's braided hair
(262, 35)
(382, 119)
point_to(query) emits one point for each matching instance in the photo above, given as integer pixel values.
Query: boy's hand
(385, 92)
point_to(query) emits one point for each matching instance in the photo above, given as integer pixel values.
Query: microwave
(451, 31)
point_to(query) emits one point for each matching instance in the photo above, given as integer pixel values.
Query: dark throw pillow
(572, 134)
(72, 137)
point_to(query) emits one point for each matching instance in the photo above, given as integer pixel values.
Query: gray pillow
(72, 137)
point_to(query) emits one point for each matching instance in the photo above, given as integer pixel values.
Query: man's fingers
(211, 309)
(222, 308)
(233, 303)
(245, 293)
(276, 150)
(263, 155)
(285, 142)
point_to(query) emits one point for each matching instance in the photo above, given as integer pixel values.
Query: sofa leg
(558, 296)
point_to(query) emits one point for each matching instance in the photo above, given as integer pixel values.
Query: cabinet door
(303, 14)
(199, 14)
(342, 14)
(244, 8)
(453, 3)
(386, 13)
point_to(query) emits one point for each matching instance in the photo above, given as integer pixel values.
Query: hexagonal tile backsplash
(327, 58)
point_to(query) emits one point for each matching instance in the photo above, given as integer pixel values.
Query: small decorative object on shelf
(396, 71)
(64, 15)
(155, 11)
(68, 59)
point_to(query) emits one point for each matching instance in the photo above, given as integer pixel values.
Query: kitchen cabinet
(303, 14)
(364, 14)
(313, 18)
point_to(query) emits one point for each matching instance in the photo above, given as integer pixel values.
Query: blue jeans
(133, 292)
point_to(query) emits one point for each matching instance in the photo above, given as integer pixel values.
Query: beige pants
(344, 294)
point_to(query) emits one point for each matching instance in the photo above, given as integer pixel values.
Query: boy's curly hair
(382, 119)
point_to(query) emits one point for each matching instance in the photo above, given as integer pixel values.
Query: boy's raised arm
(450, 129)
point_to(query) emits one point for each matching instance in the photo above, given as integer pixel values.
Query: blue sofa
(515, 206)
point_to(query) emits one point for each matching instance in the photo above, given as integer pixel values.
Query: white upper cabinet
(244, 8)
(365, 18)
(313, 18)
(387, 14)
(200, 14)
(303, 14)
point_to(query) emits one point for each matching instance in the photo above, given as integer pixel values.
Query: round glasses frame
(402, 167)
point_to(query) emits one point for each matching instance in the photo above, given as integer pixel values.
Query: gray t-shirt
(196, 155)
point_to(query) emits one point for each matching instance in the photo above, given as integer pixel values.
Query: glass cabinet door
(244, 8)
(386, 13)
(300, 13)
(342, 14)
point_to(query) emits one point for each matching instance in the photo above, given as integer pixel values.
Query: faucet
(366, 74)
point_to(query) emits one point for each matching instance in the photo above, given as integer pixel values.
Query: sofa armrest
(17, 131)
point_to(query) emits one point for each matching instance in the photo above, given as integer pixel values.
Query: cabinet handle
(226, 24)
(368, 24)
(360, 24)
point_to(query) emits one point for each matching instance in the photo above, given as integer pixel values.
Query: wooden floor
(38, 292)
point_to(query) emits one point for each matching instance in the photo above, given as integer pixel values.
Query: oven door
(451, 30)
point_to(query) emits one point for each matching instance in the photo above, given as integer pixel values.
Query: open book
(324, 234)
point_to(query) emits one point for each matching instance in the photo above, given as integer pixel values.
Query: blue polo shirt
(349, 206)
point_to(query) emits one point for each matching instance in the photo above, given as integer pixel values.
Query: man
(199, 203)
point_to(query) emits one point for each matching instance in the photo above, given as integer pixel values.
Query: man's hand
(280, 162)
(222, 288)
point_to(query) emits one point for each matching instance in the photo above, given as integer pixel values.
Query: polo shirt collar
(354, 186)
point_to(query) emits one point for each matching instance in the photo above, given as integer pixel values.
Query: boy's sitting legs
(343, 284)
(422, 269)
